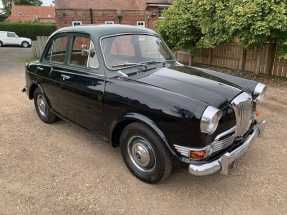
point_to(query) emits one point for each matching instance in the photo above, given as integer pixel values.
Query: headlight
(259, 91)
(210, 119)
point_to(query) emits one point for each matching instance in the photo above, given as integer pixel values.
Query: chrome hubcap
(141, 154)
(42, 107)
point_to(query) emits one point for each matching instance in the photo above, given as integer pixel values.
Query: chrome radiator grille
(242, 106)
(222, 144)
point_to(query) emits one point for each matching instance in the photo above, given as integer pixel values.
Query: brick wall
(142, 4)
(129, 17)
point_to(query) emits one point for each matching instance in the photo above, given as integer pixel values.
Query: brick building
(32, 14)
(141, 13)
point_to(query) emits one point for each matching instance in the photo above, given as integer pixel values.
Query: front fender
(132, 117)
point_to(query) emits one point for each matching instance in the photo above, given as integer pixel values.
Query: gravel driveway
(62, 169)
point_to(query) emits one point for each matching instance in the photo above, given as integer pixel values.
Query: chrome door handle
(40, 68)
(65, 77)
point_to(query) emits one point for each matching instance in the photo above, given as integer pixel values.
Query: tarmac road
(63, 169)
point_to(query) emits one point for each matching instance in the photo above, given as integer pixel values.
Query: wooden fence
(38, 46)
(234, 57)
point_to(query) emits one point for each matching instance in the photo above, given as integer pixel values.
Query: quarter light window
(57, 50)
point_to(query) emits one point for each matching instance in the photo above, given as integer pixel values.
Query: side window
(57, 50)
(84, 53)
(11, 35)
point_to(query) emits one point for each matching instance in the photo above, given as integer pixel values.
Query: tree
(253, 22)
(7, 4)
(190, 24)
(178, 27)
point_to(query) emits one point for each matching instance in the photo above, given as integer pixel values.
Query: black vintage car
(124, 84)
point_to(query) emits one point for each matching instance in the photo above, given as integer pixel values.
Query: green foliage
(30, 30)
(258, 21)
(190, 24)
(178, 28)
(210, 15)
(2, 17)
(253, 22)
(7, 4)
(28, 2)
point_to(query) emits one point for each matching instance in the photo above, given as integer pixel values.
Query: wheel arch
(32, 89)
(129, 118)
(25, 41)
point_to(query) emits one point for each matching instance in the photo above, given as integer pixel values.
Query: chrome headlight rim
(210, 120)
(259, 91)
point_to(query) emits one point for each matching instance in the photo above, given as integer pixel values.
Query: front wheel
(42, 107)
(144, 153)
(25, 44)
(1, 44)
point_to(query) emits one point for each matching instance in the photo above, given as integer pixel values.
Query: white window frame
(109, 22)
(75, 23)
(141, 24)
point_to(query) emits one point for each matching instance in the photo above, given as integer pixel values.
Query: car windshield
(131, 50)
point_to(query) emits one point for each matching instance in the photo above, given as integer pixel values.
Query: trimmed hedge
(29, 29)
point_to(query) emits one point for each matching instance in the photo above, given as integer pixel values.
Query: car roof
(99, 31)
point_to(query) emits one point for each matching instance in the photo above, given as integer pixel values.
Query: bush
(29, 29)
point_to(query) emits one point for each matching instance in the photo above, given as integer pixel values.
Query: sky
(45, 3)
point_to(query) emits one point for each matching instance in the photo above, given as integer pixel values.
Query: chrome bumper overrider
(222, 164)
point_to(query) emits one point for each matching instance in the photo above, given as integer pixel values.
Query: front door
(75, 87)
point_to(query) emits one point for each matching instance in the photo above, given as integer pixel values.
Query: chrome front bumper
(223, 163)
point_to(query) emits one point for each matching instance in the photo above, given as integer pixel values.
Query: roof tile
(97, 4)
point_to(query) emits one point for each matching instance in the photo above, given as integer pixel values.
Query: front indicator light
(257, 113)
(197, 155)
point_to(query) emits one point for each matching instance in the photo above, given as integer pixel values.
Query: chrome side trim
(222, 164)
(182, 150)
(217, 145)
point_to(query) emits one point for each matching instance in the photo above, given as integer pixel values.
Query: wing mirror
(84, 51)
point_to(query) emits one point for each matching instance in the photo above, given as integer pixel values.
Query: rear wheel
(42, 107)
(144, 153)
(1, 44)
(25, 44)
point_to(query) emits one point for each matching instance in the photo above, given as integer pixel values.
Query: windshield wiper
(126, 64)
(157, 61)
